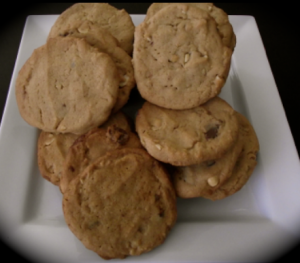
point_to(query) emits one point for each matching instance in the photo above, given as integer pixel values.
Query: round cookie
(92, 145)
(53, 147)
(101, 39)
(244, 166)
(223, 24)
(179, 59)
(67, 86)
(122, 204)
(187, 137)
(201, 179)
(117, 22)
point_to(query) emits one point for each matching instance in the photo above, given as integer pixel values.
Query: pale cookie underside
(187, 137)
(179, 58)
(122, 204)
(67, 86)
(117, 22)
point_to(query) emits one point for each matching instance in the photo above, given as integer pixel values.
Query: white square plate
(255, 224)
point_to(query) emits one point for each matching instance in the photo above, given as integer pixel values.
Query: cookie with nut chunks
(123, 204)
(202, 179)
(179, 59)
(187, 137)
(223, 24)
(245, 163)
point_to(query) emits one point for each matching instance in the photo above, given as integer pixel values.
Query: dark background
(278, 25)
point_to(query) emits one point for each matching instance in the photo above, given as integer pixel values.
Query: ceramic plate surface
(256, 223)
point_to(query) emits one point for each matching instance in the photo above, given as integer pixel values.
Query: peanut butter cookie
(122, 204)
(67, 86)
(187, 137)
(179, 59)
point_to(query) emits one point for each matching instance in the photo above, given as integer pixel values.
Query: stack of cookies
(81, 74)
(211, 149)
(119, 187)
(117, 199)
(181, 58)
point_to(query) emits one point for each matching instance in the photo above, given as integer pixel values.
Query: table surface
(277, 24)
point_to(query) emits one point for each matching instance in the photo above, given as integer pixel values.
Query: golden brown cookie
(179, 59)
(101, 39)
(187, 137)
(67, 86)
(53, 147)
(223, 24)
(117, 22)
(245, 164)
(92, 145)
(201, 179)
(122, 204)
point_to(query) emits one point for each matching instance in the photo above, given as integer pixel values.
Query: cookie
(187, 137)
(92, 145)
(122, 204)
(67, 86)
(101, 39)
(223, 24)
(117, 22)
(179, 58)
(244, 166)
(53, 147)
(201, 179)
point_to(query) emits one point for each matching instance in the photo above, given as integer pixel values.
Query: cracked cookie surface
(67, 86)
(179, 59)
(122, 204)
(186, 137)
